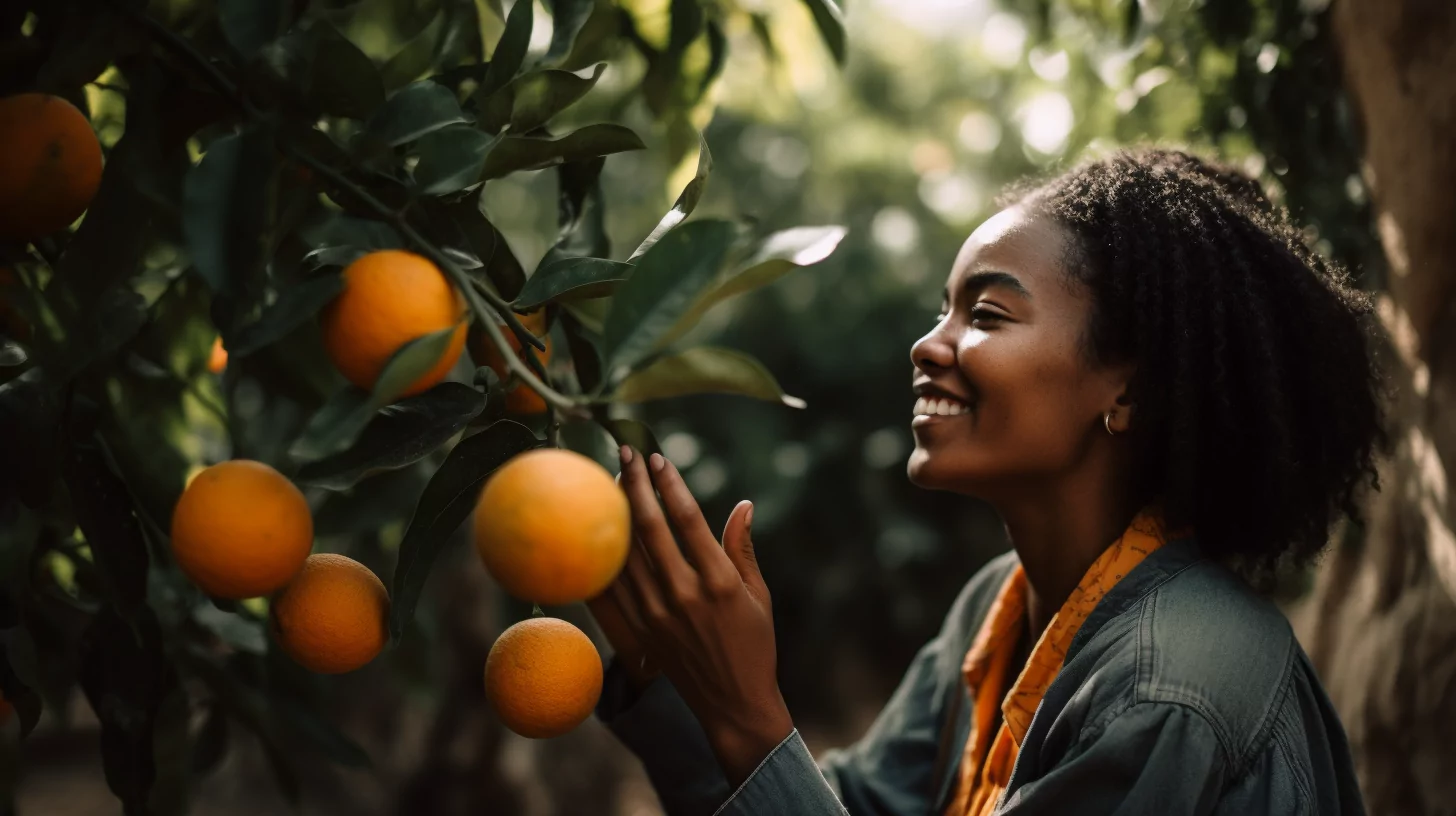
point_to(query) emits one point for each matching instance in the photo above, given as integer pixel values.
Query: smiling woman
(1164, 393)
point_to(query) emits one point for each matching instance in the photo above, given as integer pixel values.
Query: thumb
(738, 544)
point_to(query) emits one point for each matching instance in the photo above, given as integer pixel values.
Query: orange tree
(280, 263)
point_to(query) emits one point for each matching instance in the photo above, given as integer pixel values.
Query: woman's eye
(986, 314)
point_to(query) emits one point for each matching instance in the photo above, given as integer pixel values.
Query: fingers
(644, 595)
(738, 547)
(702, 548)
(649, 523)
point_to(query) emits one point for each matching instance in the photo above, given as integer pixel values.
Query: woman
(1163, 392)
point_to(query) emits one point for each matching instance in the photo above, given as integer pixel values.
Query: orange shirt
(986, 763)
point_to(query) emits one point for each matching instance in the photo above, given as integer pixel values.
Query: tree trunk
(1381, 624)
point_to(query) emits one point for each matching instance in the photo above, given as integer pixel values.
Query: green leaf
(531, 100)
(249, 24)
(116, 318)
(704, 370)
(771, 259)
(446, 502)
(580, 213)
(586, 359)
(717, 56)
(333, 743)
(252, 710)
(567, 18)
(211, 745)
(409, 364)
(29, 415)
(462, 224)
(417, 109)
(12, 353)
(510, 51)
(663, 86)
(344, 81)
(233, 629)
(830, 21)
(341, 238)
(529, 153)
(293, 307)
(687, 200)
(224, 205)
(125, 675)
(417, 56)
(572, 279)
(103, 509)
(670, 278)
(399, 435)
(633, 434)
(451, 159)
(336, 425)
(17, 687)
(595, 39)
(81, 46)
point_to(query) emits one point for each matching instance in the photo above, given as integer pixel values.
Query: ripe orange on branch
(543, 677)
(391, 297)
(553, 527)
(241, 530)
(50, 165)
(217, 358)
(331, 616)
(522, 399)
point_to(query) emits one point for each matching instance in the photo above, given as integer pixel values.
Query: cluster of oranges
(552, 526)
(242, 529)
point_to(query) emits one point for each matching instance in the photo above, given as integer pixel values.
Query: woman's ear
(1119, 414)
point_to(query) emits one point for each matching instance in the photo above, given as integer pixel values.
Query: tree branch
(486, 304)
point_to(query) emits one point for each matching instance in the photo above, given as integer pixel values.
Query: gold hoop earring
(1107, 423)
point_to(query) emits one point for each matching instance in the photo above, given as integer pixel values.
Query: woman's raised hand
(700, 612)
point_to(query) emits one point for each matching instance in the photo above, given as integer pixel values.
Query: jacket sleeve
(662, 731)
(1158, 757)
(889, 771)
(886, 773)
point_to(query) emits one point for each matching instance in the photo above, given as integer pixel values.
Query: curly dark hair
(1258, 406)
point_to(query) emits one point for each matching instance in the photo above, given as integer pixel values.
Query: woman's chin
(928, 471)
(922, 471)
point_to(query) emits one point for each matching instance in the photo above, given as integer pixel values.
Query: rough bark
(1381, 625)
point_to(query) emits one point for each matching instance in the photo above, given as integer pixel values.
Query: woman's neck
(1058, 533)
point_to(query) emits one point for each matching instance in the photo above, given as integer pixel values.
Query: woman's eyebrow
(989, 278)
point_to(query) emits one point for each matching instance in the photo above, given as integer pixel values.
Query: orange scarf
(986, 765)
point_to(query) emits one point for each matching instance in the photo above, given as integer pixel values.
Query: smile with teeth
(940, 406)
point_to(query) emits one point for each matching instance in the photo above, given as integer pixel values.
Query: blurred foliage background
(936, 105)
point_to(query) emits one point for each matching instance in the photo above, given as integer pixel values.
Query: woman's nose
(934, 351)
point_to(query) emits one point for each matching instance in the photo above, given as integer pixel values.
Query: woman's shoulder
(1204, 640)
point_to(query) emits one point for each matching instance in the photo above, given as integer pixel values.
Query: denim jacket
(1184, 692)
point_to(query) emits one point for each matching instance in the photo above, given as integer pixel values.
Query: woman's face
(1006, 397)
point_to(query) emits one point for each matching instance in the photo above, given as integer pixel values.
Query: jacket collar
(1172, 558)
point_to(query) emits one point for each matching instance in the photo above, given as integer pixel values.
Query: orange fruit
(50, 165)
(391, 297)
(331, 616)
(522, 399)
(543, 676)
(241, 529)
(217, 360)
(552, 526)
